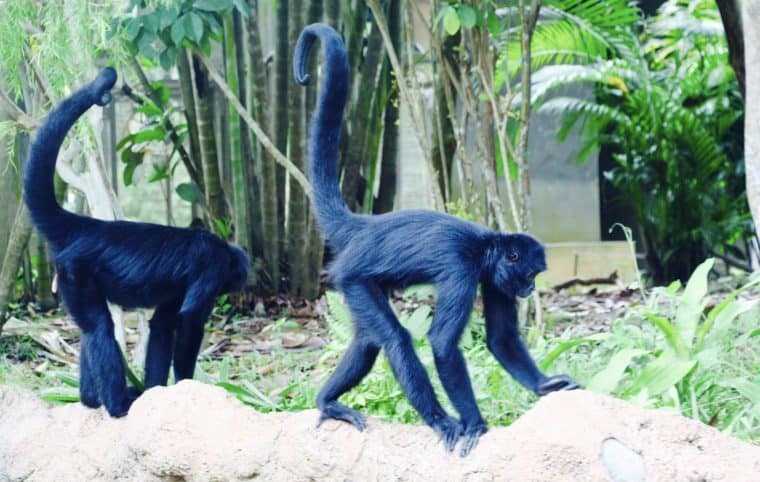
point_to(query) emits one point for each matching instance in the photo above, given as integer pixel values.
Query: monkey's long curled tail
(39, 193)
(333, 215)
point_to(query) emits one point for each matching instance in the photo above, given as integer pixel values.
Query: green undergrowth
(681, 348)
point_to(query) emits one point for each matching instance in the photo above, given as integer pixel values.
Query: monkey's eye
(513, 257)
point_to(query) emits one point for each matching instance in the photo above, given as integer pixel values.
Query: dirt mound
(197, 432)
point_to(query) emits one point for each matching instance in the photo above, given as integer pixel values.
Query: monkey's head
(515, 260)
(237, 272)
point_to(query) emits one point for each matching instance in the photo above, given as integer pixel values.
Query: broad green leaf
(145, 44)
(671, 335)
(560, 349)
(132, 160)
(149, 108)
(721, 317)
(132, 30)
(150, 22)
(467, 16)
(159, 173)
(166, 16)
(418, 322)
(748, 388)
(606, 380)
(242, 7)
(67, 379)
(213, 5)
(692, 302)
(155, 134)
(61, 396)
(673, 287)
(494, 26)
(341, 327)
(451, 21)
(177, 32)
(661, 374)
(131, 377)
(193, 26)
(167, 58)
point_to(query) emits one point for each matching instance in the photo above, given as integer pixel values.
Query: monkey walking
(179, 271)
(378, 252)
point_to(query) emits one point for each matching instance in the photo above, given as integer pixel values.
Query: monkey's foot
(90, 401)
(120, 408)
(471, 435)
(337, 411)
(449, 430)
(555, 384)
(132, 394)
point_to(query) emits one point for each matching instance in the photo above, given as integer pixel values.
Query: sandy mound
(197, 432)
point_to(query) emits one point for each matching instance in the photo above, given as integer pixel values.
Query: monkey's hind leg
(158, 358)
(353, 367)
(370, 307)
(101, 362)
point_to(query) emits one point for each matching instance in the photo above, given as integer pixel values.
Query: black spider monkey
(179, 271)
(379, 252)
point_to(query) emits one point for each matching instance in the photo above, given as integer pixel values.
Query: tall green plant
(671, 108)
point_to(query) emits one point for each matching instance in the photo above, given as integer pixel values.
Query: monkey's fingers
(338, 411)
(557, 383)
(449, 430)
(471, 437)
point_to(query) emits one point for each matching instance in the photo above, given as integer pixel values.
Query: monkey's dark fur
(375, 253)
(179, 271)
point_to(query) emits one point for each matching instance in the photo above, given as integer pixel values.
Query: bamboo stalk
(265, 141)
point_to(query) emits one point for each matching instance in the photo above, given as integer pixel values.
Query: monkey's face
(237, 274)
(519, 258)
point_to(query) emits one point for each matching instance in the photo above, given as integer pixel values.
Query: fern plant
(669, 104)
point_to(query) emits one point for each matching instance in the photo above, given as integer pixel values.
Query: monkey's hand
(338, 411)
(471, 434)
(448, 429)
(556, 383)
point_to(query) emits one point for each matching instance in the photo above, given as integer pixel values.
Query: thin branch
(16, 113)
(504, 146)
(411, 100)
(191, 167)
(255, 127)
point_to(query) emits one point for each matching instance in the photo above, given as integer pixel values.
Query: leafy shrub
(670, 106)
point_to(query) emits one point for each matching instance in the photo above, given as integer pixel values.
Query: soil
(192, 431)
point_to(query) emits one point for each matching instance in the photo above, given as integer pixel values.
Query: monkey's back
(408, 247)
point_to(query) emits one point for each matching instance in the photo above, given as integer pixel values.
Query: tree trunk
(314, 15)
(359, 118)
(282, 77)
(386, 195)
(315, 247)
(751, 23)
(211, 173)
(297, 221)
(45, 297)
(237, 161)
(268, 182)
(9, 191)
(332, 13)
(248, 153)
(188, 100)
(528, 19)
(732, 24)
(17, 241)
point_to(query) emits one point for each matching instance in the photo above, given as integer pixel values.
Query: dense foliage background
(209, 129)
